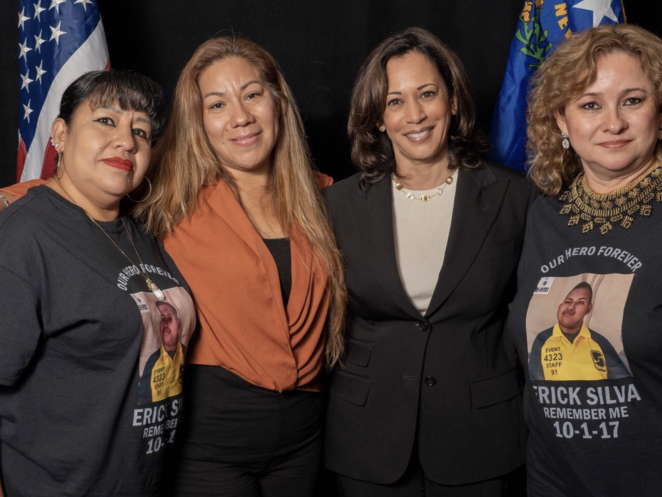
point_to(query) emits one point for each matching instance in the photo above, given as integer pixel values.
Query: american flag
(58, 41)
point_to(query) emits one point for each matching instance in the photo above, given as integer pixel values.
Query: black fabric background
(319, 45)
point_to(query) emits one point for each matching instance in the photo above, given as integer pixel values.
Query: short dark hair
(581, 285)
(372, 151)
(160, 303)
(131, 91)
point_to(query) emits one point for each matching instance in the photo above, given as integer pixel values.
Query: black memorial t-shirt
(77, 325)
(593, 404)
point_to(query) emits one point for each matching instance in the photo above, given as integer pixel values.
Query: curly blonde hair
(564, 76)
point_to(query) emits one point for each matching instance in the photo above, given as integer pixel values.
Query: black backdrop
(319, 45)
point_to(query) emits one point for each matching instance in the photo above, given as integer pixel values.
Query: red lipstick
(119, 163)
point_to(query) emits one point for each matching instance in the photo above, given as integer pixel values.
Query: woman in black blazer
(427, 400)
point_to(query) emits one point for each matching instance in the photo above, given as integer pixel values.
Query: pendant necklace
(158, 293)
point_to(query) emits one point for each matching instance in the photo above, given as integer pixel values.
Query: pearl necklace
(423, 198)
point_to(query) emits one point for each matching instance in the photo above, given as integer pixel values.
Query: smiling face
(613, 124)
(240, 115)
(418, 111)
(105, 153)
(573, 309)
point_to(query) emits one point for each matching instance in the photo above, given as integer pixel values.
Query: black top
(76, 327)
(602, 439)
(280, 250)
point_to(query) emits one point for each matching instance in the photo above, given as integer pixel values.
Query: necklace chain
(158, 293)
(150, 284)
(423, 198)
(619, 207)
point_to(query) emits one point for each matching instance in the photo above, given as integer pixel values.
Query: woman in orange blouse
(238, 206)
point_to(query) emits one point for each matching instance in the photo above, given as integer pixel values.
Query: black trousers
(239, 440)
(414, 483)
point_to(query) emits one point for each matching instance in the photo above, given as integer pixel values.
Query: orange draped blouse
(244, 326)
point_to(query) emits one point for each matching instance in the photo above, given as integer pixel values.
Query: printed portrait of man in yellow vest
(570, 350)
(162, 376)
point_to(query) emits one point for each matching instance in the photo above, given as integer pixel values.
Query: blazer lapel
(372, 212)
(475, 210)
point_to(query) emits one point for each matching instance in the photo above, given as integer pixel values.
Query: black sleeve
(20, 325)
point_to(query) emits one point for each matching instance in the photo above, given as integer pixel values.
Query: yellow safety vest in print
(582, 359)
(166, 378)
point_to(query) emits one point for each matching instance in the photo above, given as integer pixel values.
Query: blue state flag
(542, 25)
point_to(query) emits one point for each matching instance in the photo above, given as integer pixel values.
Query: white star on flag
(38, 41)
(28, 111)
(22, 18)
(600, 8)
(24, 50)
(56, 33)
(38, 9)
(26, 81)
(40, 71)
(56, 5)
(84, 2)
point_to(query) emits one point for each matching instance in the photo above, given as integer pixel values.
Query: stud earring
(382, 128)
(53, 142)
(565, 143)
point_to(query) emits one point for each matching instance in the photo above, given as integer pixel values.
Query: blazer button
(424, 326)
(430, 381)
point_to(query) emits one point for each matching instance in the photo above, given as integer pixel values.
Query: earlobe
(59, 132)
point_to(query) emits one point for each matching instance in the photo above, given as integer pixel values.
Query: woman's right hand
(5, 199)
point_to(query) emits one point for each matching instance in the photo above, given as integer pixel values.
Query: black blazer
(442, 383)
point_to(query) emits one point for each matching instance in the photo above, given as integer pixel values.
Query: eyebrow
(624, 92)
(419, 88)
(119, 111)
(241, 88)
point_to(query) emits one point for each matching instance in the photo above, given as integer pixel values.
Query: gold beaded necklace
(423, 198)
(619, 207)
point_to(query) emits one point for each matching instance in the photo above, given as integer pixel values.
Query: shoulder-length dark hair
(372, 151)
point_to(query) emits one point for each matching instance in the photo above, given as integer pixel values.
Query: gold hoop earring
(146, 196)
